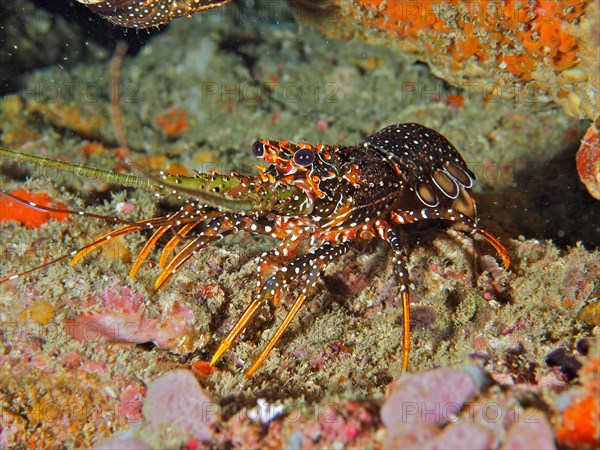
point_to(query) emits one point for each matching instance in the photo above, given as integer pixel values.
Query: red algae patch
(25, 215)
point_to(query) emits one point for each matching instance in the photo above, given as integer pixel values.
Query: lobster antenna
(33, 205)
(126, 180)
(91, 173)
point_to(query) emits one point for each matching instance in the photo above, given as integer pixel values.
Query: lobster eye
(304, 157)
(258, 149)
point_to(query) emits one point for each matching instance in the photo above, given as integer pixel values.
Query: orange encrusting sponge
(488, 26)
(28, 216)
(581, 420)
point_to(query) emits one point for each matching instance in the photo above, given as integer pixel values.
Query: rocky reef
(91, 357)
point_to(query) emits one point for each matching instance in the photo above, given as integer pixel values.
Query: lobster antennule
(214, 190)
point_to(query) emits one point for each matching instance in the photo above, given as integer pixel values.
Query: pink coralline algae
(121, 318)
(527, 434)
(417, 404)
(445, 408)
(176, 399)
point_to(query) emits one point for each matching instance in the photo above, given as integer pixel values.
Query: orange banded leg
(312, 264)
(269, 291)
(190, 219)
(148, 246)
(205, 233)
(182, 256)
(104, 239)
(161, 224)
(455, 216)
(177, 239)
(172, 221)
(401, 271)
(270, 262)
(324, 255)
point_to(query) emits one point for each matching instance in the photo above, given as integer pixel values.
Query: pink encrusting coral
(130, 403)
(121, 318)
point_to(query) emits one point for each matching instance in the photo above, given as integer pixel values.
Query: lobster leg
(276, 259)
(312, 264)
(183, 255)
(161, 224)
(207, 230)
(455, 216)
(177, 239)
(175, 219)
(324, 255)
(401, 271)
(104, 239)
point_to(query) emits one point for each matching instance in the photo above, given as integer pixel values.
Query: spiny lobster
(318, 200)
(148, 13)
